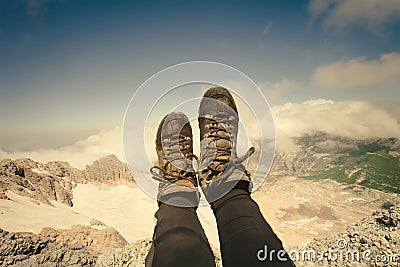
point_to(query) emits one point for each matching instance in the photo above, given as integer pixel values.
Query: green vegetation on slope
(377, 170)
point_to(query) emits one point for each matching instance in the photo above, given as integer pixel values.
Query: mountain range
(372, 163)
(55, 180)
(56, 214)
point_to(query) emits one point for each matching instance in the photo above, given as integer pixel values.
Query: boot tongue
(224, 148)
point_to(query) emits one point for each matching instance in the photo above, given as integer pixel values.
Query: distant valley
(373, 163)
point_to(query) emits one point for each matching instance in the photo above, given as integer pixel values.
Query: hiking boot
(220, 169)
(174, 147)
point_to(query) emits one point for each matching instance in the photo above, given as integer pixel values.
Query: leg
(179, 239)
(244, 233)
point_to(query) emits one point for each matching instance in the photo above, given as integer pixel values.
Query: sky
(69, 68)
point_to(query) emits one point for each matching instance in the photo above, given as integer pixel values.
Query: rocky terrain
(300, 209)
(107, 170)
(373, 163)
(78, 246)
(373, 241)
(134, 255)
(130, 255)
(97, 237)
(378, 234)
(34, 180)
(54, 181)
(324, 190)
(27, 249)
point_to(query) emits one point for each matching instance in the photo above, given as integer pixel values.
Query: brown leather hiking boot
(220, 168)
(174, 146)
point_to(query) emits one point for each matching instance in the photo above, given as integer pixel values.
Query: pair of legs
(179, 239)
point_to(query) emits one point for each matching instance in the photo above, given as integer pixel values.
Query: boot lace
(178, 149)
(221, 127)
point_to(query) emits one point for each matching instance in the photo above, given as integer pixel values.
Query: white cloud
(354, 119)
(274, 91)
(80, 153)
(373, 14)
(359, 72)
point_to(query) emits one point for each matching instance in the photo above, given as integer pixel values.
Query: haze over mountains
(292, 120)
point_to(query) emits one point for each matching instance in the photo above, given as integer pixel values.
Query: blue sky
(69, 68)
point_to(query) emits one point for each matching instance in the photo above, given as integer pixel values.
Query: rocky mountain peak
(55, 180)
(108, 170)
(31, 179)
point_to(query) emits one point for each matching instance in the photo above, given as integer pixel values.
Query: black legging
(179, 239)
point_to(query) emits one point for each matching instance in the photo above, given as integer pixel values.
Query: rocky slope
(108, 170)
(373, 241)
(131, 255)
(300, 209)
(26, 249)
(97, 237)
(31, 179)
(78, 246)
(373, 163)
(134, 255)
(54, 181)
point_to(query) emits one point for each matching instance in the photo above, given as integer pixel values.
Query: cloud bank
(80, 153)
(359, 73)
(373, 14)
(354, 119)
